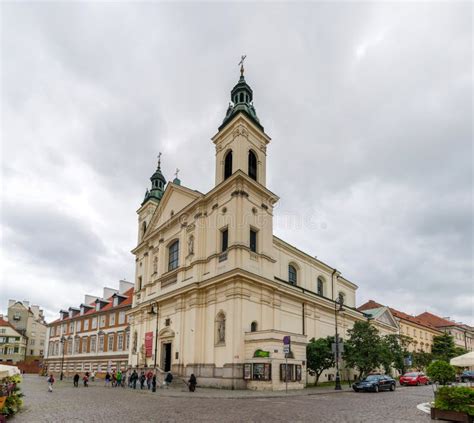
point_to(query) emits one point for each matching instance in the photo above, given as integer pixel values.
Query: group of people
(132, 379)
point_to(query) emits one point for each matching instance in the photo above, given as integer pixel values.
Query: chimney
(26, 303)
(11, 302)
(124, 286)
(108, 292)
(88, 299)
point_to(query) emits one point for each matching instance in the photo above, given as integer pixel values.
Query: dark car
(467, 376)
(375, 383)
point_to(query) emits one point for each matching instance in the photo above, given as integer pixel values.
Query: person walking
(153, 383)
(92, 376)
(149, 376)
(85, 380)
(142, 380)
(107, 380)
(76, 380)
(134, 378)
(119, 378)
(114, 379)
(50, 382)
(192, 383)
(168, 380)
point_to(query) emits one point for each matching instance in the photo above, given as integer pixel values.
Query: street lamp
(62, 340)
(337, 308)
(154, 310)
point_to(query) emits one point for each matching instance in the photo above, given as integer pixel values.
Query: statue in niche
(155, 265)
(191, 245)
(221, 329)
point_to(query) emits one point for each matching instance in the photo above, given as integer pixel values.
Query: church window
(320, 286)
(292, 275)
(224, 239)
(173, 257)
(228, 165)
(253, 240)
(253, 326)
(252, 165)
(220, 328)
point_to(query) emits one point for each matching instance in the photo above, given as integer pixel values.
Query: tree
(319, 355)
(363, 349)
(393, 352)
(441, 372)
(443, 347)
(421, 360)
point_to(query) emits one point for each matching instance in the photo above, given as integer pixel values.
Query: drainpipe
(332, 282)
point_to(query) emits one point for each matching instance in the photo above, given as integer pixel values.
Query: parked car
(375, 383)
(414, 378)
(467, 376)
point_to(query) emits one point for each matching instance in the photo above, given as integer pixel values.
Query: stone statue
(191, 245)
(155, 265)
(221, 330)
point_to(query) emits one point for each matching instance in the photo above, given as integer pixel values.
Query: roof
(7, 324)
(436, 321)
(371, 304)
(109, 306)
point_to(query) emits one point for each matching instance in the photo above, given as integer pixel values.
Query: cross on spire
(159, 160)
(176, 173)
(241, 64)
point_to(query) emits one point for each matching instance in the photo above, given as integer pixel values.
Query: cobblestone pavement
(100, 404)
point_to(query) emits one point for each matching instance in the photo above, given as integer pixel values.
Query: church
(216, 292)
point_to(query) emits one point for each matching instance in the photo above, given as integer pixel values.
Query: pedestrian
(114, 379)
(107, 380)
(119, 378)
(50, 382)
(168, 380)
(85, 380)
(134, 378)
(92, 376)
(76, 380)
(192, 383)
(153, 383)
(142, 380)
(149, 376)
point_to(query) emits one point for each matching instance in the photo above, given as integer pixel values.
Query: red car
(414, 378)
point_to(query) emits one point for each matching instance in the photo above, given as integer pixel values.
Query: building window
(224, 239)
(93, 343)
(78, 326)
(69, 347)
(94, 323)
(101, 343)
(252, 165)
(121, 318)
(139, 283)
(110, 342)
(112, 319)
(173, 255)
(86, 324)
(76, 345)
(31, 342)
(253, 327)
(220, 328)
(84, 345)
(102, 321)
(292, 275)
(120, 341)
(228, 164)
(253, 240)
(290, 372)
(321, 286)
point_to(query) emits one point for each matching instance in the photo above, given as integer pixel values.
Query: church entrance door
(167, 357)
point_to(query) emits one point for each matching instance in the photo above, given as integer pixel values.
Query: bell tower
(241, 142)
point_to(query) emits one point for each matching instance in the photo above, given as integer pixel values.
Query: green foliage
(441, 372)
(443, 347)
(13, 402)
(319, 355)
(455, 398)
(393, 352)
(363, 350)
(421, 360)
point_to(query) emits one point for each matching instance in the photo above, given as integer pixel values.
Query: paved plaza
(100, 404)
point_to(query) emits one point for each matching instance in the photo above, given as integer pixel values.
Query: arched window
(320, 286)
(292, 275)
(241, 97)
(253, 327)
(220, 328)
(252, 165)
(173, 255)
(228, 165)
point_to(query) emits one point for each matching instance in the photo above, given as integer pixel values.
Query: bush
(441, 372)
(455, 398)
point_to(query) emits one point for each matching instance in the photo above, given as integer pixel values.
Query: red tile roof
(400, 314)
(436, 321)
(108, 306)
(5, 323)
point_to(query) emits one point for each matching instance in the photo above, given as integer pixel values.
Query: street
(100, 404)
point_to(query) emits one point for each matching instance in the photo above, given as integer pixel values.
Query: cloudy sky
(369, 106)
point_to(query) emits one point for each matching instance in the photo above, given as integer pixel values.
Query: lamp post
(154, 310)
(337, 308)
(62, 340)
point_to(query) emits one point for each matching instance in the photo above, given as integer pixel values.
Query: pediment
(387, 318)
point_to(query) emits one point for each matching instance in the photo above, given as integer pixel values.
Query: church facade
(216, 292)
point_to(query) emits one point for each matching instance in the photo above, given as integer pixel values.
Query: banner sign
(148, 344)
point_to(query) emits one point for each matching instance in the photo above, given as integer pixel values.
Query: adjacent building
(462, 334)
(12, 343)
(93, 336)
(216, 292)
(419, 332)
(29, 321)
